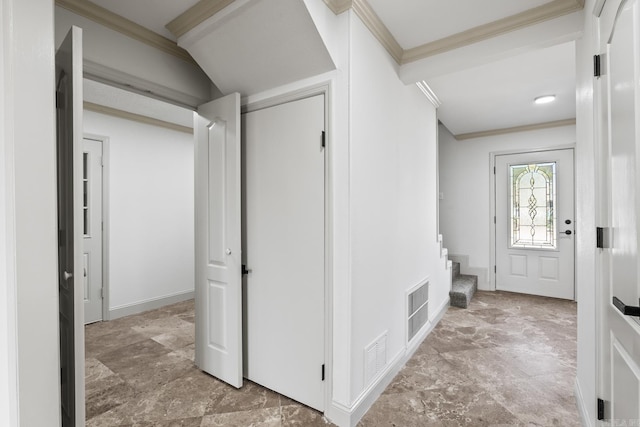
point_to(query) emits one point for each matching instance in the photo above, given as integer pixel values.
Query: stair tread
(463, 286)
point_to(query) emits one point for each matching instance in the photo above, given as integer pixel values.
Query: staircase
(463, 286)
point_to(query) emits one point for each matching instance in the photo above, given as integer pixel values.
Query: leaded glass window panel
(532, 189)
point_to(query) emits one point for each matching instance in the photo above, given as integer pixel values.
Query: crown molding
(339, 6)
(196, 15)
(377, 28)
(515, 129)
(429, 93)
(103, 109)
(124, 26)
(515, 22)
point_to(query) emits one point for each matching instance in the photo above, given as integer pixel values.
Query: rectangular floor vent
(417, 309)
(375, 358)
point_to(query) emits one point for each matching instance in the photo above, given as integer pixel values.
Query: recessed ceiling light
(545, 99)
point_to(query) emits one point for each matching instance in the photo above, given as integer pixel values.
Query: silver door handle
(66, 275)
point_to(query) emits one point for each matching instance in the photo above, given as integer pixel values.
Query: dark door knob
(568, 232)
(568, 221)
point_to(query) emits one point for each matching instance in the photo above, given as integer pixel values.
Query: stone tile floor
(507, 360)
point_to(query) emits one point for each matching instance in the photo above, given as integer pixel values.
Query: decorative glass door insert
(532, 196)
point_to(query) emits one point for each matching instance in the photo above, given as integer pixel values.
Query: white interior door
(284, 248)
(218, 249)
(535, 223)
(620, 340)
(92, 229)
(69, 193)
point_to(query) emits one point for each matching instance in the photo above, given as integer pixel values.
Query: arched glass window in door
(532, 199)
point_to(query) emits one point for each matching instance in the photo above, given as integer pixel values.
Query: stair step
(462, 289)
(455, 272)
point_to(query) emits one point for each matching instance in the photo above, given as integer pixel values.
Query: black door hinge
(495, 268)
(597, 69)
(323, 372)
(324, 139)
(494, 170)
(599, 237)
(600, 409)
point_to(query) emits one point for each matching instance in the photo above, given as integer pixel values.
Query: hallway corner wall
(394, 233)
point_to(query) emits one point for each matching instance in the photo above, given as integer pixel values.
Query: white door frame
(319, 89)
(105, 221)
(492, 206)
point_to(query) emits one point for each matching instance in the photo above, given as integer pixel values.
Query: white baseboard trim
(344, 416)
(582, 409)
(151, 304)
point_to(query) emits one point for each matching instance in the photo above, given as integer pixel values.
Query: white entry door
(284, 248)
(218, 249)
(92, 229)
(620, 339)
(535, 223)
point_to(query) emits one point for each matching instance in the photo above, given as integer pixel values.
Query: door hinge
(494, 219)
(59, 100)
(597, 68)
(324, 139)
(495, 268)
(102, 293)
(323, 372)
(494, 170)
(602, 238)
(600, 409)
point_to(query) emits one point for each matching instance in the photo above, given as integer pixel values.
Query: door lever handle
(245, 270)
(66, 275)
(627, 310)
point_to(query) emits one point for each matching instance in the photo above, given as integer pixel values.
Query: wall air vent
(375, 358)
(417, 309)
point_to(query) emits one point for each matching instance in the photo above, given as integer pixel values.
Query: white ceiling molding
(124, 26)
(196, 15)
(102, 109)
(524, 128)
(339, 6)
(530, 17)
(377, 28)
(430, 94)
(120, 79)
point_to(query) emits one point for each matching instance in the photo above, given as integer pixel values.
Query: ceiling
(491, 93)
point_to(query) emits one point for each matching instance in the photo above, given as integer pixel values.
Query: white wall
(115, 56)
(8, 390)
(393, 190)
(150, 210)
(29, 285)
(465, 177)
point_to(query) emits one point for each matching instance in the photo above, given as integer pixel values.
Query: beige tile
(266, 417)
